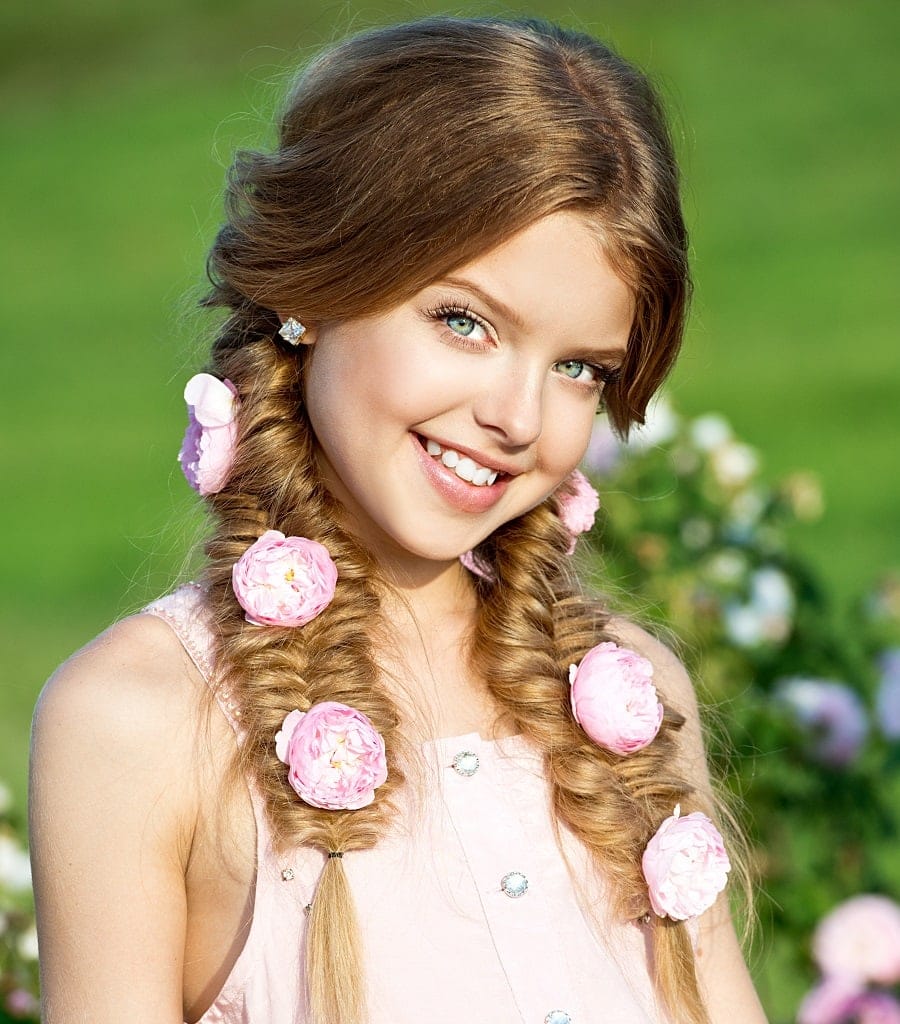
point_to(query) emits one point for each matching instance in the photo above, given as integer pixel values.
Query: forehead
(555, 278)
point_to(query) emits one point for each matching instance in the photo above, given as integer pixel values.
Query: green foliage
(700, 545)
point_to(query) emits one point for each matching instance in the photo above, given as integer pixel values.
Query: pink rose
(685, 865)
(614, 699)
(335, 756)
(830, 1002)
(208, 447)
(577, 505)
(475, 565)
(284, 581)
(860, 940)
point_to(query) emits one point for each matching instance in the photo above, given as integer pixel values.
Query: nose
(510, 405)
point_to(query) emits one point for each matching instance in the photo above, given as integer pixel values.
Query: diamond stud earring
(292, 331)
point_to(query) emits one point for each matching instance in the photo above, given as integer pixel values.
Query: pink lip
(456, 492)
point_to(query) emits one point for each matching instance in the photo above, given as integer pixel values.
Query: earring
(292, 331)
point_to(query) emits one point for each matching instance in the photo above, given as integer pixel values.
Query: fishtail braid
(533, 623)
(274, 484)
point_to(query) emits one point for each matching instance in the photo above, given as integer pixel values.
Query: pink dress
(467, 909)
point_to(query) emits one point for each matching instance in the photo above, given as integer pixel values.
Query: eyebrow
(507, 312)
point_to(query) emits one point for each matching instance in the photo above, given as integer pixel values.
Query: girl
(385, 761)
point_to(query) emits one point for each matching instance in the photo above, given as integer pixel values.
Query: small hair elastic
(335, 853)
(292, 331)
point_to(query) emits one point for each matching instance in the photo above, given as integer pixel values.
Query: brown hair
(373, 193)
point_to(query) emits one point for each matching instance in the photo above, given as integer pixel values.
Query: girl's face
(469, 404)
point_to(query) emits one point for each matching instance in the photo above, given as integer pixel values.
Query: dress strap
(186, 612)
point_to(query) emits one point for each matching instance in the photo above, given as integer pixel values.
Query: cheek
(567, 431)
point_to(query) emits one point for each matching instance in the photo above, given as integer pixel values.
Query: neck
(424, 593)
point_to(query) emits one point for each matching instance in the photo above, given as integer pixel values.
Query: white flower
(734, 464)
(744, 625)
(15, 867)
(744, 512)
(727, 567)
(28, 944)
(766, 616)
(770, 592)
(660, 425)
(710, 431)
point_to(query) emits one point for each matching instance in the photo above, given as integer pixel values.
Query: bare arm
(111, 812)
(724, 978)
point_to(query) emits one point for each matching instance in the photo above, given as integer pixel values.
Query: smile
(465, 468)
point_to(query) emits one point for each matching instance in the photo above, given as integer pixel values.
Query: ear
(294, 332)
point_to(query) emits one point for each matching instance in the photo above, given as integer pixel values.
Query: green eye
(463, 325)
(572, 368)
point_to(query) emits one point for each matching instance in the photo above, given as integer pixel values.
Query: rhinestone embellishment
(287, 875)
(557, 1017)
(514, 884)
(465, 763)
(292, 331)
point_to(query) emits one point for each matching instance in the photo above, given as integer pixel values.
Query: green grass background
(117, 121)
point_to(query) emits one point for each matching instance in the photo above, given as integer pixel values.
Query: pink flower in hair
(685, 865)
(860, 940)
(284, 581)
(577, 505)
(334, 754)
(614, 699)
(207, 450)
(475, 565)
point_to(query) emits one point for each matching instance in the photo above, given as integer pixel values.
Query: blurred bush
(804, 723)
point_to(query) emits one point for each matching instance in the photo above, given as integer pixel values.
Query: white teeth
(465, 468)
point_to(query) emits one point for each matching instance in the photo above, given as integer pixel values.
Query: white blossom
(710, 431)
(660, 425)
(15, 867)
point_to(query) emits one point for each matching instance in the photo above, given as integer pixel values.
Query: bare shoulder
(114, 801)
(120, 719)
(133, 684)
